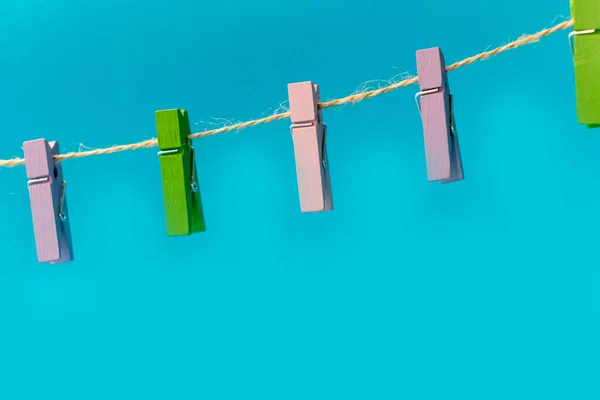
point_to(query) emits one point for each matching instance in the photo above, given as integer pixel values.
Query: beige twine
(355, 98)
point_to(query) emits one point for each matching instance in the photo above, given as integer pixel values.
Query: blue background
(484, 289)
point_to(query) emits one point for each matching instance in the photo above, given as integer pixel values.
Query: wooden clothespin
(585, 46)
(47, 195)
(442, 151)
(183, 204)
(310, 149)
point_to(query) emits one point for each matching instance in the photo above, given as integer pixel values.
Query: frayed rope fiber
(354, 98)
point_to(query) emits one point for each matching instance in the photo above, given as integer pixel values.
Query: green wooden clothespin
(183, 204)
(585, 44)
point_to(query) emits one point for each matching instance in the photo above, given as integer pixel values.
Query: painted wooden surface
(52, 235)
(183, 206)
(586, 14)
(442, 150)
(310, 148)
(456, 169)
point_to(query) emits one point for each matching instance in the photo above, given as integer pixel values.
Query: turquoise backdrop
(484, 289)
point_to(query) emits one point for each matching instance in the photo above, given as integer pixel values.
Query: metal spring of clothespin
(193, 183)
(576, 33)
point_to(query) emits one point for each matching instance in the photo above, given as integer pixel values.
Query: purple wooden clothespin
(48, 202)
(310, 149)
(442, 150)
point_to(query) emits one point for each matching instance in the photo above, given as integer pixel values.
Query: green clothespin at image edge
(585, 46)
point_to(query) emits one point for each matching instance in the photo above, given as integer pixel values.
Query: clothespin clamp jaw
(309, 135)
(47, 194)
(584, 41)
(182, 199)
(435, 105)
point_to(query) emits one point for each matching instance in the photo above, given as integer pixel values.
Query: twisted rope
(354, 98)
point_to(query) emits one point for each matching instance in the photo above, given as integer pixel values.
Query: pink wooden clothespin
(310, 149)
(48, 202)
(442, 150)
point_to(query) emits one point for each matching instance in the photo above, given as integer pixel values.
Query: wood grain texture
(586, 15)
(431, 68)
(442, 151)
(52, 235)
(436, 134)
(183, 207)
(310, 148)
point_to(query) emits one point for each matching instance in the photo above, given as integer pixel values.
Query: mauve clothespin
(442, 150)
(310, 149)
(47, 195)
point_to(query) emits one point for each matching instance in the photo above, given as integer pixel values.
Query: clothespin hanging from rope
(310, 148)
(183, 204)
(585, 46)
(47, 195)
(442, 150)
